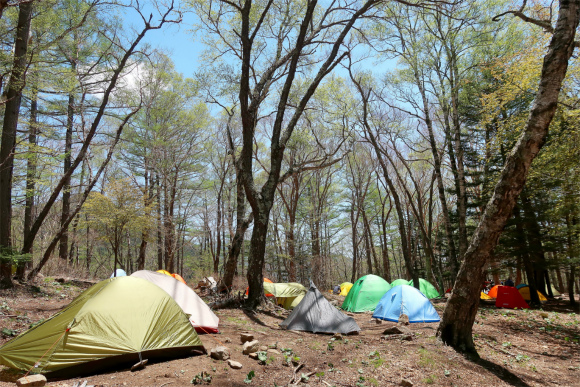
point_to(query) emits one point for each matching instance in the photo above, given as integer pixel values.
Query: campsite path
(517, 348)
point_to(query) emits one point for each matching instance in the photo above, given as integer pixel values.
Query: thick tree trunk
(456, 324)
(242, 225)
(8, 146)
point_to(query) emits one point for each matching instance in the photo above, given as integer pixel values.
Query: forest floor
(517, 348)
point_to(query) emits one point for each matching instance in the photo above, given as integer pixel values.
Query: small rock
(32, 381)
(253, 355)
(234, 364)
(572, 368)
(246, 336)
(272, 351)
(251, 346)
(403, 319)
(337, 336)
(263, 348)
(227, 340)
(544, 315)
(398, 330)
(220, 353)
(406, 383)
(378, 321)
(334, 303)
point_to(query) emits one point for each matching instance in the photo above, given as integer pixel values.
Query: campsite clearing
(517, 347)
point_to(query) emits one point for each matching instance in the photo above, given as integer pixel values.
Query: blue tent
(119, 272)
(405, 299)
(521, 286)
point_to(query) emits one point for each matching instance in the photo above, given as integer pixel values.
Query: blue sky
(176, 40)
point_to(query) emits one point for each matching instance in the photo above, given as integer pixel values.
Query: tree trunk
(8, 146)
(30, 176)
(456, 325)
(67, 163)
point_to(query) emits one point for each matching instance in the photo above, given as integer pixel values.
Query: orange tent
(178, 277)
(493, 291)
(265, 280)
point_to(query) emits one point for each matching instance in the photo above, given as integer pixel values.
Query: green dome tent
(288, 295)
(426, 288)
(365, 294)
(117, 321)
(398, 282)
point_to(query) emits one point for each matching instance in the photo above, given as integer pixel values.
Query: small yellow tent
(164, 272)
(288, 295)
(345, 288)
(484, 296)
(525, 292)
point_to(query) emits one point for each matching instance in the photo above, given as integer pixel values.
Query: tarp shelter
(200, 315)
(178, 277)
(117, 321)
(316, 314)
(405, 299)
(426, 288)
(288, 295)
(398, 282)
(525, 292)
(365, 294)
(493, 291)
(509, 297)
(345, 288)
(118, 273)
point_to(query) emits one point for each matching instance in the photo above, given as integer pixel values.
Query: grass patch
(237, 320)
(430, 379)
(425, 359)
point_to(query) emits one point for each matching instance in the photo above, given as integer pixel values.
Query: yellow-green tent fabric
(525, 292)
(288, 295)
(117, 321)
(345, 288)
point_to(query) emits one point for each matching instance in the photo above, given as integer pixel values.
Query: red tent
(510, 297)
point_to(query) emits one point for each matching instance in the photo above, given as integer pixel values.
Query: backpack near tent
(200, 315)
(345, 288)
(398, 282)
(315, 314)
(509, 297)
(288, 295)
(525, 292)
(365, 294)
(117, 321)
(405, 299)
(426, 288)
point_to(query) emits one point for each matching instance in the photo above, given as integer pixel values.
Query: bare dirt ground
(517, 348)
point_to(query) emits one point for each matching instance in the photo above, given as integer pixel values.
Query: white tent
(200, 315)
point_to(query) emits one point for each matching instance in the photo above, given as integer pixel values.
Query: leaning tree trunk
(456, 324)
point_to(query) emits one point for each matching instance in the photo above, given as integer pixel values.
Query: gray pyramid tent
(316, 314)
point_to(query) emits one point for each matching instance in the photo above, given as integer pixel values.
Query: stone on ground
(234, 364)
(251, 346)
(246, 336)
(32, 381)
(220, 353)
(403, 319)
(398, 330)
(406, 383)
(253, 355)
